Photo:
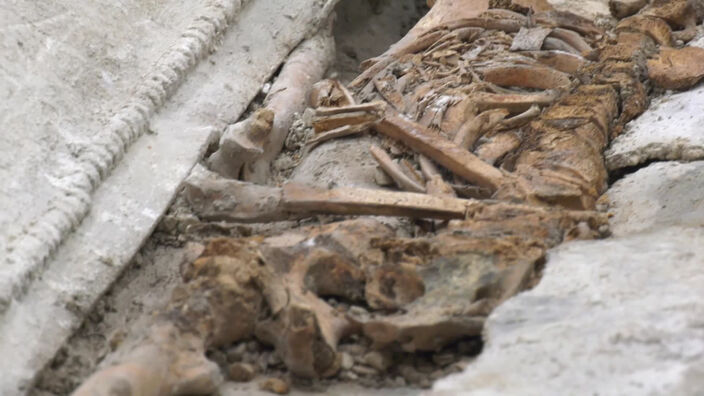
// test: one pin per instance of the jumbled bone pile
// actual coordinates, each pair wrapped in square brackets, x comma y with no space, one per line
[493,125]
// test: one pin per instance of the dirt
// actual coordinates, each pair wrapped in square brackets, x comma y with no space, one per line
[363,30]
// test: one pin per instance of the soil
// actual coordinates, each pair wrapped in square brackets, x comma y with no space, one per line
[363,30]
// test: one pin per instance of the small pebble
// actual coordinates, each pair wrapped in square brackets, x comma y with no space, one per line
[348,376]
[436,375]
[378,360]
[241,372]
[410,374]
[364,370]
[346,361]
[275,385]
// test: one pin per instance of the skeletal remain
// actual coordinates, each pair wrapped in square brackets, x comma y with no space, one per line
[498,146]
[677,68]
[521,119]
[394,171]
[558,60]
[330,93]
[428,291]
[306,65]
[556,44]
[435,184]
[514,103]
[442,151]
[242,143]
[574,40]
[474,128]
[626,8]
[345,130]
[329,118]
[655,28]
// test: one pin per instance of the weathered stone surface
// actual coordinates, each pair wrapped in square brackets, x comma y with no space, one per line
[660,195]
[620,316]
[669,130]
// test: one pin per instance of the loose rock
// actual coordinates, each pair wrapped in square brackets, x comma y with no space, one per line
[241,372]
[275,385]
[379,360]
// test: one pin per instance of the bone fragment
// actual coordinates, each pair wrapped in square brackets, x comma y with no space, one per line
[346,201]
[563,61]
[441,150]
[514,103]
[330,93]
[346,130]
[215,198]
[655,28]
[329,118]
[435,184]
[521,119]
[677,68]
[624,8]
[526,76]
[306,65]
[476,127]
[497,147]
[574,39]
[556,44]
[242,143]
[394,171]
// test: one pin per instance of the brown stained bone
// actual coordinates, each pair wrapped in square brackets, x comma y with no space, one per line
[394,171]
[214,198]
[216,305]
[306,65]
[677,68]
[329,118]
[575,40]
[477,126]
[514,103]
[655,28]
[526,76]
[568,20]
[625,8]
[387,88]
[435,184]
[442,151]
[558,60]
[422,35]
[346,201]
[498,146]
[556,44]
[461,283]
[678,13]
[373,108]
[521,119]
[562,157]
[427,291]
[242,143]
[343,131]
[330,93]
